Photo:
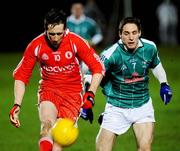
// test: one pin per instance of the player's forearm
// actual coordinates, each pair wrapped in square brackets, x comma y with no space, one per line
[96,79]
[19,90]
[160,73]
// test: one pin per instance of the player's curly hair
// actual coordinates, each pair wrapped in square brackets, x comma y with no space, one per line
[54,17]
[126,20]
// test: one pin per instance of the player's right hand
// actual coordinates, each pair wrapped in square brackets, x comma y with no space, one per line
[14,115]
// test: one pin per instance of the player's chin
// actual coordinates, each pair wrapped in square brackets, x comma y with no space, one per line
[131,46]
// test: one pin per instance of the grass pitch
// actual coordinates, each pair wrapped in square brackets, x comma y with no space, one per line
[25,138]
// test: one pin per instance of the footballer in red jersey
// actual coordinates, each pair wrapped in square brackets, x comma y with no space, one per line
[59,53]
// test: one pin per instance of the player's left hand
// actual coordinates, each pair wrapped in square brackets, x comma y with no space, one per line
[14,115]
[87,114]
[88,103]
[165,93]
[88,100]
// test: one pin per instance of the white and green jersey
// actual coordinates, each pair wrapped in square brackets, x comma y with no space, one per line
[126,82]
[86,28]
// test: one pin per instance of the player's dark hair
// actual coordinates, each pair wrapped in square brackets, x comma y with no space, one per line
[83,2]
[127,20]
[55,17]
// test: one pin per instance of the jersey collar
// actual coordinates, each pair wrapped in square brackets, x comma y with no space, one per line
[125,48]
[76,21]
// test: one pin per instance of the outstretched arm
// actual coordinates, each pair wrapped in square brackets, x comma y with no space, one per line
[165,90]
[19,90]
[160,73]
[96,79]
[89,95]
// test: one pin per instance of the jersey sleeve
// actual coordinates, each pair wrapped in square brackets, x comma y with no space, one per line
[108,58]
[23,71]
[155,58]
[88,55]
[105,61]
[110,62]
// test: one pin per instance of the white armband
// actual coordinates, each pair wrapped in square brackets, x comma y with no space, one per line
[160,73]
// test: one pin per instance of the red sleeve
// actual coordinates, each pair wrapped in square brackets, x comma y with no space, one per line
[23,71]
[88,55]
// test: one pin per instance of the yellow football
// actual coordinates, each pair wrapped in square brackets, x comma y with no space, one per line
[64,132]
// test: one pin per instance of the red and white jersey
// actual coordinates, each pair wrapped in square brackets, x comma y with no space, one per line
[60,69]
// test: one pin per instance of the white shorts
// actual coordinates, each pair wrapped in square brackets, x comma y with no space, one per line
[119,120]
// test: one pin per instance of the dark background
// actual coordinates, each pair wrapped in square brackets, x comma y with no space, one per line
[22,21]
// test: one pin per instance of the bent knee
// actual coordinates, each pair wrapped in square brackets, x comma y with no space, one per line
[144,147]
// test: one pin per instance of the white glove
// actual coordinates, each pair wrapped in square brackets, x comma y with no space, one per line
[14,115]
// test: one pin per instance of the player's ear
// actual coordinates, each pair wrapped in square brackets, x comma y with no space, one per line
[139,33]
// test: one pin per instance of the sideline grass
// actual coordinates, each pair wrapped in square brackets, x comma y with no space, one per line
[25,138]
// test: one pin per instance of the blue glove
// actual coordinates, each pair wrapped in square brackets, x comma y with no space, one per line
[165,93]
[87,114]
